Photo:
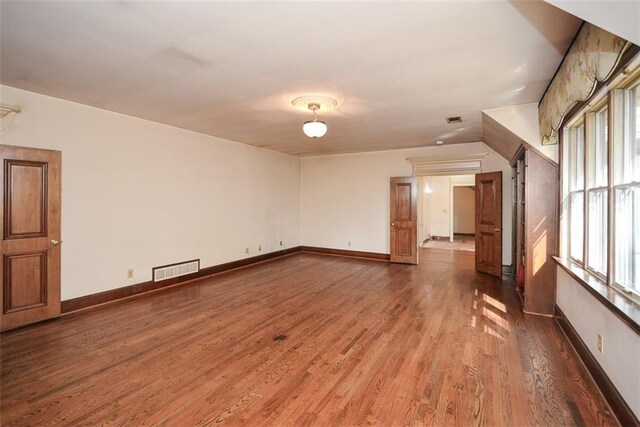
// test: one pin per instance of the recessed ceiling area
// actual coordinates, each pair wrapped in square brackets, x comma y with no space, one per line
[231,69]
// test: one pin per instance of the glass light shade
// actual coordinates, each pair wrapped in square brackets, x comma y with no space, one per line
[314,129]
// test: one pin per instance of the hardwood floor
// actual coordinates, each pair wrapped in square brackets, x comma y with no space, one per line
[460,243]
[306,339]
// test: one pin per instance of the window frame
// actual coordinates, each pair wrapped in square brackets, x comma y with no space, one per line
[622,90]
[574,128]
[605,98]
[635,293]
[590,140]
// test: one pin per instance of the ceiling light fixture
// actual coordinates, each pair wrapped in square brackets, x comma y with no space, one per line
[314,128]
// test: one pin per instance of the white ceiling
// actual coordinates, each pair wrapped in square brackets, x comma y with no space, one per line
[231,69]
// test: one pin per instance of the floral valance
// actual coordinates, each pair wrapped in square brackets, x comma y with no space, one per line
[592,58]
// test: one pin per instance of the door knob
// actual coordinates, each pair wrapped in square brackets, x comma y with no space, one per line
[496,230]
[55,242]
[393,224]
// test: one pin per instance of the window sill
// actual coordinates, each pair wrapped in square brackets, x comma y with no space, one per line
[621,305]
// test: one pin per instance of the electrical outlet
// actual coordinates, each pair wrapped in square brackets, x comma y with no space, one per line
[600,343]
[281,243]
[349,243]
[259,248]
[130,273]
[246,251]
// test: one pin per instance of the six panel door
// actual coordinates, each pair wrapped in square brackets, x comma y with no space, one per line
[30,267]
[489,223]
[404,220]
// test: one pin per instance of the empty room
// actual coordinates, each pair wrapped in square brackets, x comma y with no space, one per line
[309,213]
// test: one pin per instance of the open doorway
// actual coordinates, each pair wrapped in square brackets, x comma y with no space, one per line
[446,217]
[464,217]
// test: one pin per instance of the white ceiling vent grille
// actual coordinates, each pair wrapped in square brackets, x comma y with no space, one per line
[175,270]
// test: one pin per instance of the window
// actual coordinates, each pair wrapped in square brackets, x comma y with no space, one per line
[601,173]
[597,192]
[627,194]
[576,191]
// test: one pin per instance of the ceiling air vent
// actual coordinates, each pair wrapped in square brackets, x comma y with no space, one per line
[175,270]
[456,119]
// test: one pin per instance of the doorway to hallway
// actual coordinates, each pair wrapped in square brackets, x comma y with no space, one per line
[447,212]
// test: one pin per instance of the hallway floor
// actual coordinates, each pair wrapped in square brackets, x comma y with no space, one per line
[460,243]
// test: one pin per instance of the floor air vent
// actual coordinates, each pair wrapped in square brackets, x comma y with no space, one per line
[175,270]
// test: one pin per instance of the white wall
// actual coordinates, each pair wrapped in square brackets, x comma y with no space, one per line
[438,206]
[621,344]
[424,231]
[524,122]
[346,197]
[138,194]
[620,17]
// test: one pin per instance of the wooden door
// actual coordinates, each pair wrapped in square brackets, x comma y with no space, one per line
[404,220]
[489,223]
[30,267]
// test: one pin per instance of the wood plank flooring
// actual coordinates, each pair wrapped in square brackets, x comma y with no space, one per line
[305,340]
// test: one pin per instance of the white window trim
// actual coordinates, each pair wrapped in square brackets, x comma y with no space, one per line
[607,100]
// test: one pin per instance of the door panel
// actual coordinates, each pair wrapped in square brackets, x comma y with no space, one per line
[403,239]
[30,267]
[403,199]
[489,223]
[404,220]
[26,199]
[26,282]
